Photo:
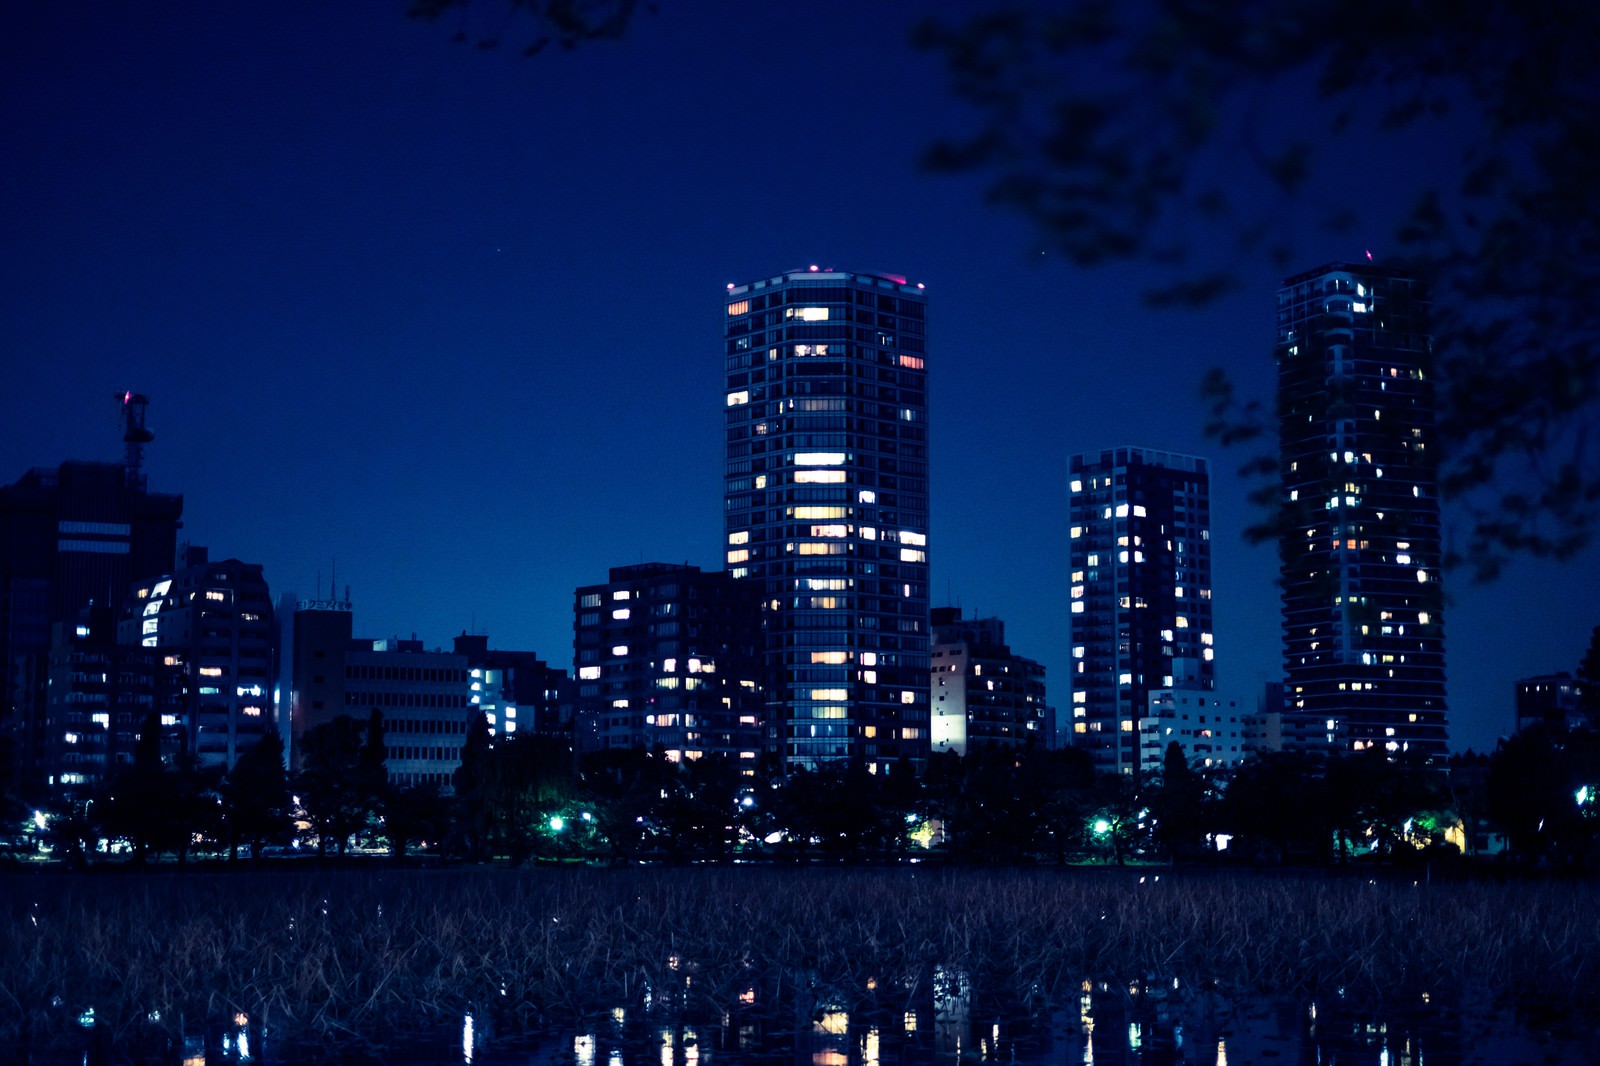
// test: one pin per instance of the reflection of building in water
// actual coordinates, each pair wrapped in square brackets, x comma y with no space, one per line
[952,1011]
[981,693]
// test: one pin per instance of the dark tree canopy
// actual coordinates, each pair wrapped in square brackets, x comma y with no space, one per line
[536,24]
[1117,128]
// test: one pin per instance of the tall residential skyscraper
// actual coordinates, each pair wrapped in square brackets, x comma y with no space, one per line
[1363,632]
[827,508]
[1141,592]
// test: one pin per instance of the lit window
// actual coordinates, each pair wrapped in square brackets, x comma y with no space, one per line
[621,614]
[740,537]
[619,649]
[737,398]
[818,477]
[739,307]
[819,458]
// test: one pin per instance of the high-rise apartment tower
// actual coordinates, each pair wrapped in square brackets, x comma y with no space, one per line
[827,508]
[1140,554]
[1363,631]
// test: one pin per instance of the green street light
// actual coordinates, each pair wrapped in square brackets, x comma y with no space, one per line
[1101,827]
[557,823]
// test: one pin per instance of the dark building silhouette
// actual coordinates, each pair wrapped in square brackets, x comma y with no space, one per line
[1140,593]
[1363,627]
[1552,699]
[826,492]
[72,536]
[100,694]
[313,635]
[983,694]
[212,620]
[668,658]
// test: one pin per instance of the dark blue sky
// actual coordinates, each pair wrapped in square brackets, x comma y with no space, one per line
[453,318]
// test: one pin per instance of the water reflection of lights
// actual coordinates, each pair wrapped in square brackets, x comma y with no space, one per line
[583,1049]
[869,1047]
[467,1040]
[833,1022]
[1222,1052]
[1135,1036]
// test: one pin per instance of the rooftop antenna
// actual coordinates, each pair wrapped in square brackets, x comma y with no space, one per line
[134,436]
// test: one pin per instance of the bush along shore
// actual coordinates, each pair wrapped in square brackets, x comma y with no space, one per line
[368,959]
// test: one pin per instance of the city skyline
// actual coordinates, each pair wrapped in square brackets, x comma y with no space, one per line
[369,281]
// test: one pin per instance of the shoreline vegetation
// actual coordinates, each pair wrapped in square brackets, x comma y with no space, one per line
[371,958]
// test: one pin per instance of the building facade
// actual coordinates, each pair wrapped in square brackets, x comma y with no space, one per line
[981,694]
[1360,552]
[1214,730]
[516,691]
[213,620]
[1140,558]
[668,658]
[826,493]
[424,699]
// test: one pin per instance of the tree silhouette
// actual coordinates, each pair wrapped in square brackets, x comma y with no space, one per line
[1118,129]
[537,23]
[330,784]
[255,798]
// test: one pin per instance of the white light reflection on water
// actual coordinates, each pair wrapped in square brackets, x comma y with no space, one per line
[583,1049]
[467,1038]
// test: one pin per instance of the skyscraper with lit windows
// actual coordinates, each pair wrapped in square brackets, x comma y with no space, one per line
[826,496]
[1363,631]
[1140,554]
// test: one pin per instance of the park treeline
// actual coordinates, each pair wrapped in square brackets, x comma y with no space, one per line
[527,798]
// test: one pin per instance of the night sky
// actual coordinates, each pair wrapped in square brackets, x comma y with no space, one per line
[449,320]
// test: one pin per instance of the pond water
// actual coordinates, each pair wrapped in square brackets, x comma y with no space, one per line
[1138,1024]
